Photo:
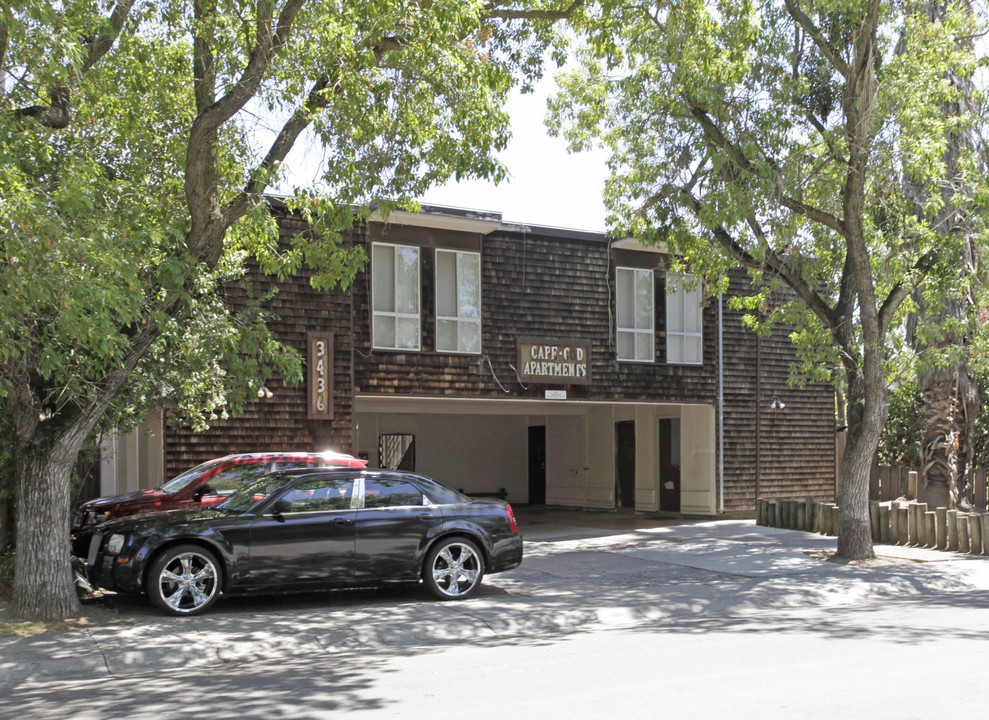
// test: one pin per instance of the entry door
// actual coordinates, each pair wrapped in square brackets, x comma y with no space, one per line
[625,464]
[669,464]
[537,465]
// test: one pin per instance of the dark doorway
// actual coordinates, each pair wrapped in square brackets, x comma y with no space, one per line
[669,465]
[537,465]
[397,451]
[625,464]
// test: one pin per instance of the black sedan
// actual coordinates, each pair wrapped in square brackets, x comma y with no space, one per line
[308,528]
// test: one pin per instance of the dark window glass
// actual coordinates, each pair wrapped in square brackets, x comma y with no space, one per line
[391,493]
[235,477]
[320,495]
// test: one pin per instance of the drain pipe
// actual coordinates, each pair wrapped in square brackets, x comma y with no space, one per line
[721,406]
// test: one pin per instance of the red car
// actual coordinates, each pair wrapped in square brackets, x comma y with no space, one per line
[202,486]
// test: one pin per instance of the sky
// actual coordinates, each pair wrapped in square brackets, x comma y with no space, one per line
[546,185]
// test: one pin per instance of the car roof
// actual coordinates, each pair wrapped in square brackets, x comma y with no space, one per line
[328,455]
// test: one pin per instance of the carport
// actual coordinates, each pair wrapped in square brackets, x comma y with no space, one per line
[569,453]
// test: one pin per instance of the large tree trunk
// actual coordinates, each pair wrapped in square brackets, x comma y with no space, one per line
[44,587]
[46,446]
[865,403]
[951,402]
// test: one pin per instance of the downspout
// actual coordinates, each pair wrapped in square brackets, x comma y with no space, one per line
[758,416]
[721,406]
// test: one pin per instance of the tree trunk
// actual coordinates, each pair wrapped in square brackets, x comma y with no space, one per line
[44,586]
[864,404]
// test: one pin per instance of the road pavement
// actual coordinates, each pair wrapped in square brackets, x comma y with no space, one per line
[583,574]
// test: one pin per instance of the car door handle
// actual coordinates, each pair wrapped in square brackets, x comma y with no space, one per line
[342,521]
[428,516]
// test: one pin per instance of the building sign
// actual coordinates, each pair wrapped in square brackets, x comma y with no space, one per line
[320,376]
[555,362]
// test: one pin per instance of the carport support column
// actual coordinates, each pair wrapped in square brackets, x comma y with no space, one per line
[698,460]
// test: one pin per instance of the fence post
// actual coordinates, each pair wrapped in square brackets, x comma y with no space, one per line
[942,528]
[975,534]
[904,525]
[922,538]
[912,477]
[930,528]
[885,518]
[964,544]
[953,530]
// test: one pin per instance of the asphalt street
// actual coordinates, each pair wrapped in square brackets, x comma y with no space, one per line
[654,618]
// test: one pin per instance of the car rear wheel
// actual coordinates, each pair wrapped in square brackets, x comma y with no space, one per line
[184,580]
[454,569]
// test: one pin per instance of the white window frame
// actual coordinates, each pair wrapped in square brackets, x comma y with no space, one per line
[458,319]
[392,313]
[682,337]
[630,274]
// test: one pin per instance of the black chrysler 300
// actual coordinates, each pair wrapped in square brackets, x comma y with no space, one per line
[307,528]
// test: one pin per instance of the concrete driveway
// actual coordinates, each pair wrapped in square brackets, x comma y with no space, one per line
[582,571]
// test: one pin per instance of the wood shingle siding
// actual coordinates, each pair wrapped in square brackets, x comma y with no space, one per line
[280,422]
[536,283]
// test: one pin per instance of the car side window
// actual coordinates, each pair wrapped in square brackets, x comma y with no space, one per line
[392,493]
[320,495]
[235,477]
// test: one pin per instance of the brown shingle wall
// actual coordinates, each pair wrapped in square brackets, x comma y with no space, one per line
[556,288]
[793,454]
[280,423]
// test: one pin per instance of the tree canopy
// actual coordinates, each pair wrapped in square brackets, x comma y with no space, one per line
[781,134]
[137,140]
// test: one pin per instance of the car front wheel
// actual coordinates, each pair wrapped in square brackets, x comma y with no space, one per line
[184,580]
[454,568]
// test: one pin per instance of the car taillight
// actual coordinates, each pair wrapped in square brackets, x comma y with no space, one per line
[510,516]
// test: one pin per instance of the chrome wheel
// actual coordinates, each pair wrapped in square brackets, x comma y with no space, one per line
[184,581]
[454,569]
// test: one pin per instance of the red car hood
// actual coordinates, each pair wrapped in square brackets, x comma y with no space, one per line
[139,499]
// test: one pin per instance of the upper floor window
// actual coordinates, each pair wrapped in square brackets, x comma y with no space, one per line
[458,301]
[684,321]
[635,309]
[395,296]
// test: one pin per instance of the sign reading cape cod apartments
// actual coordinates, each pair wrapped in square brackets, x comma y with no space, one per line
[555,362]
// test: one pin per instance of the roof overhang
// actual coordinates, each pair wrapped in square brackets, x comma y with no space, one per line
[438,217]
[633,244]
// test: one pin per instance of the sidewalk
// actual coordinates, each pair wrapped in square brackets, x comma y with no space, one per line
[582,571]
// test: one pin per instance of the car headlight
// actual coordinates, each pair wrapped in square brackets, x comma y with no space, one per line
[95,518]
[115,544]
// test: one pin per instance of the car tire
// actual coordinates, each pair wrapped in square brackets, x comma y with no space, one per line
[453,569]
[184,580]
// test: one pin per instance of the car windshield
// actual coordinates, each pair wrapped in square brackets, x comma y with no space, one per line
[180,481]
[250,496]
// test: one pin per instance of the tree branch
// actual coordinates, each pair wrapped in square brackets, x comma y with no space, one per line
[58,113]
[205,228]
[808,26]
[101,46]
[564,14]
[746,166]
[278,151]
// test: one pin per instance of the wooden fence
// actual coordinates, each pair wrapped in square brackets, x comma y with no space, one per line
[889,483]
[897,522]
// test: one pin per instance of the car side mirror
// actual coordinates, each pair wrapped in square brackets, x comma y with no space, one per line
[283,506]
[203,491]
